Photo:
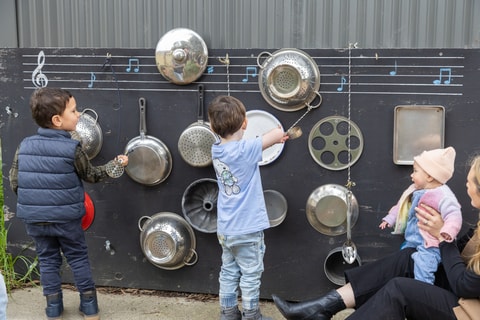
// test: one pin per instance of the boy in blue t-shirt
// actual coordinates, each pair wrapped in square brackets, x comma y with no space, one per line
[241,211]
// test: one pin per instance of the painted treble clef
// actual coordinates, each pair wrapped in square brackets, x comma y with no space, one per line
[38,78]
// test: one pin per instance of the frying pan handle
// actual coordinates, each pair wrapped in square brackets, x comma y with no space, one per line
[142,104]
[200,106]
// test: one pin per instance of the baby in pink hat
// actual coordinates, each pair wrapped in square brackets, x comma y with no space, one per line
[431,171]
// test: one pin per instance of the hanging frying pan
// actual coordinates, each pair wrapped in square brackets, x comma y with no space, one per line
[327,207]
[87,219]
[195,142]
[151,163]
[260,122]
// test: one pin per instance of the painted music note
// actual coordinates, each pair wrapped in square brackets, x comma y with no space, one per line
[342,82]
[394,72]
[92,79]
[39,79]
[135,69]
[250,71]
[448,72]
[210,69]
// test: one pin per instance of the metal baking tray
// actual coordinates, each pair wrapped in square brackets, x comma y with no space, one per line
[417,128]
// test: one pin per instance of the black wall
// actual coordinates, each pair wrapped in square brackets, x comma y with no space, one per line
[294,262]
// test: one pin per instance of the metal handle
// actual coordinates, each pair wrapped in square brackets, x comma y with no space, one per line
[261,54]
[194,256]
[140,224]
[142,104]
[316,105]
[200,91]
[349,215]
[91,110]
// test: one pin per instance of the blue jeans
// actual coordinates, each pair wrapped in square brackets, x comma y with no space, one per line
[51,240]
[242,266]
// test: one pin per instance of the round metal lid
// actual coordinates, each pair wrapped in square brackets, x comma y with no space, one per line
[181,56]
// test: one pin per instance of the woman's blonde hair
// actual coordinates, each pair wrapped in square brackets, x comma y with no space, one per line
[474,262]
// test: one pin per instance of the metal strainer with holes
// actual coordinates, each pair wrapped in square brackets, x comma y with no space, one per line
[167,240]
[89,132]
[289,79]
[195,142]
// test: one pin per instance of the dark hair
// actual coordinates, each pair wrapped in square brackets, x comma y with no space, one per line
[226,115]
[46,103]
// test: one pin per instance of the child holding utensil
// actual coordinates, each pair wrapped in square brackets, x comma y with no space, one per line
[431,171]
[241,210]
[46,174]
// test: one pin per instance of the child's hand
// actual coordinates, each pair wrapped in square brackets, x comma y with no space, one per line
[384,224]
[284,138]
[123,159]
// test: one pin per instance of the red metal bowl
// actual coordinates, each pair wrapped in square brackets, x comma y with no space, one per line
[87,219]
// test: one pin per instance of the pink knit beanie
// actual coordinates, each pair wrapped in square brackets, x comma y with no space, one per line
[438,163]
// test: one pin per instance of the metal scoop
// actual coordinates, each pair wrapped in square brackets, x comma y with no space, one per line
[349,249]
[114,168]
[294,132]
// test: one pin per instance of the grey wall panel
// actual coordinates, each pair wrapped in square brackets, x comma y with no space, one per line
[251,23]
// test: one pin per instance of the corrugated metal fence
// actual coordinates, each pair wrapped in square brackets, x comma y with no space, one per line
[248,23]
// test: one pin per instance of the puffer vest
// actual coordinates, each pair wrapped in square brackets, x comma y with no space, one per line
[49,189]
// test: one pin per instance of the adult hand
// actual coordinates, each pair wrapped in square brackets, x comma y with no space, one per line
[429,220]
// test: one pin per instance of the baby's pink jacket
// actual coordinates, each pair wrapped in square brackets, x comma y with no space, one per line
[441,199]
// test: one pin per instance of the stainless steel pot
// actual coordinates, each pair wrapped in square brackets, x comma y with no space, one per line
[181,56]
[149,159]
[334,266]
[90,133]
[327,207]
[195,142]
[277,207]
[289,79]
[167,240]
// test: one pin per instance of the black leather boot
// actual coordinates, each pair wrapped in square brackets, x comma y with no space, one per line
[322,308]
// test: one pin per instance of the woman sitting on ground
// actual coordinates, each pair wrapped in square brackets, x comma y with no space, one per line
[385,289]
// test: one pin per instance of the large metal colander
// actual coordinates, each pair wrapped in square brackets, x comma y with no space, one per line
[89,132]
[167,240]
[289,79]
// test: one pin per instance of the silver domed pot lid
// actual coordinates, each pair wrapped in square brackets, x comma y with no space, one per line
[181,56]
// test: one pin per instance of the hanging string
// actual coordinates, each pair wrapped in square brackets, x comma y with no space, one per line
[108,63]
[226,61]
[350,183]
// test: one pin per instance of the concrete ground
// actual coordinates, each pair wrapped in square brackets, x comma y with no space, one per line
[130,304]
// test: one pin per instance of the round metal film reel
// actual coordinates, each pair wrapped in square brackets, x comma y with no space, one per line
[328,143]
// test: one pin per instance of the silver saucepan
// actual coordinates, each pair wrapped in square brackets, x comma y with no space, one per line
[151,163]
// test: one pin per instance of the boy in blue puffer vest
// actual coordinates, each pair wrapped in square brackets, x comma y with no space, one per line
[46,174]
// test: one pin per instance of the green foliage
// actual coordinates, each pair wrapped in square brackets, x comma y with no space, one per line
[10,263]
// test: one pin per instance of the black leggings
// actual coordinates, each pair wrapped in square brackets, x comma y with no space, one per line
[385,289]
